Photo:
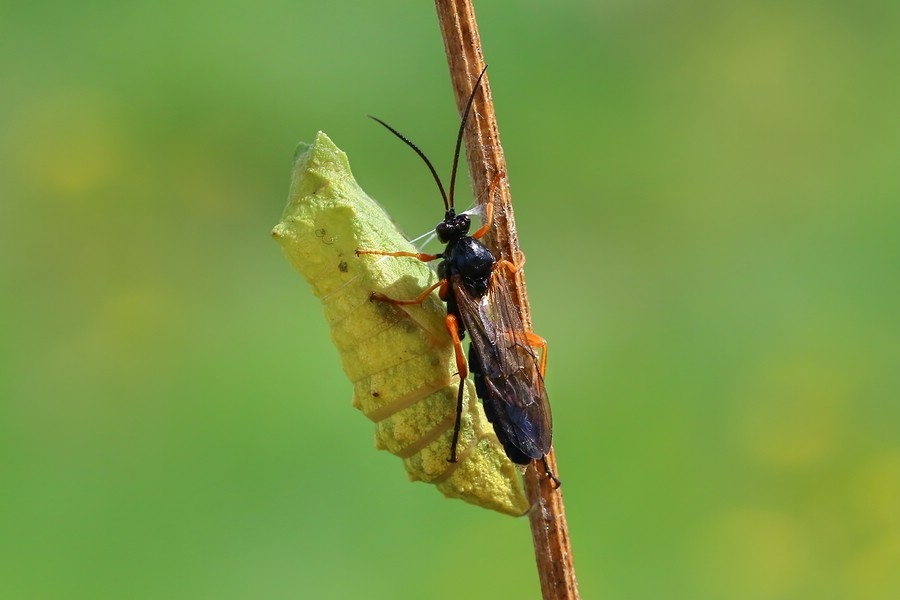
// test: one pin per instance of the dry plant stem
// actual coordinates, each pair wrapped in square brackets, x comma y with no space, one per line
[463,45]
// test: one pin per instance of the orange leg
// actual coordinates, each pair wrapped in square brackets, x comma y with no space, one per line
[536,341]
[463,370]
[511,267]
[442,284]
[489,208]
[419,255]
[488,220]
[461,366]
[530,340]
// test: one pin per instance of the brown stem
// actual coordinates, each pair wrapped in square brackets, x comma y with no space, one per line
[464,55]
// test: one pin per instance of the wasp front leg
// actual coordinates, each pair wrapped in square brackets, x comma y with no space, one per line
[417,255]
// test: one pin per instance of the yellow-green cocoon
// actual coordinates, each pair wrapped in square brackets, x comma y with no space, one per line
[399,358]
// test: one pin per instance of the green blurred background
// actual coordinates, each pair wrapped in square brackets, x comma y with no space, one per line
[708,194]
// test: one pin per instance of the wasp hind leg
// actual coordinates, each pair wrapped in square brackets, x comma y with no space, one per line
[556,482]
[536,341]
[463,370]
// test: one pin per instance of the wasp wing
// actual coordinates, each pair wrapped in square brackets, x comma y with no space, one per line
[506,370]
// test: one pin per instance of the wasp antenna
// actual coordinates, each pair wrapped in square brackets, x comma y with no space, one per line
[462,127]
[434,174]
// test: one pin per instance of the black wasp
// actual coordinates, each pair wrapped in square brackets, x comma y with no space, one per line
[509,375]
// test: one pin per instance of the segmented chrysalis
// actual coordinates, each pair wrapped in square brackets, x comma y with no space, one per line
[399,358]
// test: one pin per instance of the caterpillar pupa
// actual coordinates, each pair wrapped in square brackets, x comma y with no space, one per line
[399,358]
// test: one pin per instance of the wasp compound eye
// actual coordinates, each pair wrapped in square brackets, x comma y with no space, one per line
[443,231]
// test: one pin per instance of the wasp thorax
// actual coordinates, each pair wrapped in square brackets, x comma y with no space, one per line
[452,227]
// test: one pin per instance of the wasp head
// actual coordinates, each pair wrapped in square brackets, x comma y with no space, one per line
[452,227]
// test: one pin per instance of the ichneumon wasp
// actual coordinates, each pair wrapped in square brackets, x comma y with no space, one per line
[508,373]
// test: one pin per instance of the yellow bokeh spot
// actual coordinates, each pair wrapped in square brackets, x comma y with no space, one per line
[874,574]
[791,416]
[878,493]
[70,144]
[749,553]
